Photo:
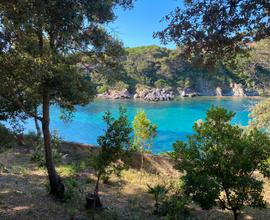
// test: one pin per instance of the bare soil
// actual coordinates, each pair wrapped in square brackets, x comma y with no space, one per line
[23,193]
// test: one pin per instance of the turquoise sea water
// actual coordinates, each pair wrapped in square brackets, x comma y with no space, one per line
[174,119]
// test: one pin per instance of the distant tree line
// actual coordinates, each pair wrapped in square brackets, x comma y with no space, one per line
[158,67]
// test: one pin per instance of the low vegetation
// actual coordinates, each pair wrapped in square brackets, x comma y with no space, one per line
[38,152]
[24,196]
[219,162]
[7,138]
[223,168]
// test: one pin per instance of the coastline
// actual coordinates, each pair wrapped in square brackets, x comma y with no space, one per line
[179,98]
[171,93]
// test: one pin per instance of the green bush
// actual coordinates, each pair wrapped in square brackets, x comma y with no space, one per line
[102,89]
[38,153]
[174,208]
[142,86]
[220,157]
[159,192]
[7,138]
[71,188]
[114,168]
[161,83]
[144,133]
[120,85]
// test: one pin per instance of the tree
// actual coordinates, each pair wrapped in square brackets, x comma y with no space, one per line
[214,28]
[260,116]
[219,162]
[113,145]
[144,133]
[41,46]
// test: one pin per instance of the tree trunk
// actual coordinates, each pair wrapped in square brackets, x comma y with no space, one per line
[235,214]
[92,200]
[37,124]
[141,161]
[57,187]
[97,185]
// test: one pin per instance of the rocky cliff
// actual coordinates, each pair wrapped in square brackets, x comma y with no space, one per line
[165,94]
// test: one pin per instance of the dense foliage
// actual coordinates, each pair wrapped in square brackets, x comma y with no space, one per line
[253,70]
[7,138]
[217,30]
[260,116]
[153,66]
[219,162]
[38,151]
[41,47]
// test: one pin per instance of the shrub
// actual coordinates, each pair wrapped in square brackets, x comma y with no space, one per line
[161,83]
[174,208]
[38,155]
[159,192]
[7,139]
[71,188]
[219,162]
[115,168]
[102,89]
[260,116]
[120,85]
[142,87]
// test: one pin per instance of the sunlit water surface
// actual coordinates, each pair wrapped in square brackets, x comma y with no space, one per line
[174,119]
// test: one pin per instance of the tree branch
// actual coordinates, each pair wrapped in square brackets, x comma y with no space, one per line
[20,104]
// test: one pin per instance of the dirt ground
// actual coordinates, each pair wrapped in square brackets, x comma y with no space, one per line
[23,193]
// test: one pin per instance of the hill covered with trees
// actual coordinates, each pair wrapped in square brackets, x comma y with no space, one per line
[151,71]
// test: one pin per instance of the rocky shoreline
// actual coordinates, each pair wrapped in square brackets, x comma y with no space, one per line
[167,94]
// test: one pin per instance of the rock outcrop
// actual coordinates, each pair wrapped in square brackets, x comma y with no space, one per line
[219,91]
[237,90]
[154,94]
[187,92]
[116,94]
[166,94]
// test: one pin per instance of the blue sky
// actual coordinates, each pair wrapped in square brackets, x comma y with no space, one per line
[135,27]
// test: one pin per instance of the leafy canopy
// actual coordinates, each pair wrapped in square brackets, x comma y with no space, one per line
[158,67]
[217,27]
[219,162]
[42,46]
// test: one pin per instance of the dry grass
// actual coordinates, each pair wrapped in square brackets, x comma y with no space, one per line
[23,195]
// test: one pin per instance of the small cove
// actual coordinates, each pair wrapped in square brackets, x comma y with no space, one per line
[174,118]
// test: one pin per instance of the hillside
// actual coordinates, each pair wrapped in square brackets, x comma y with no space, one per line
[23,194]
[153,69]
